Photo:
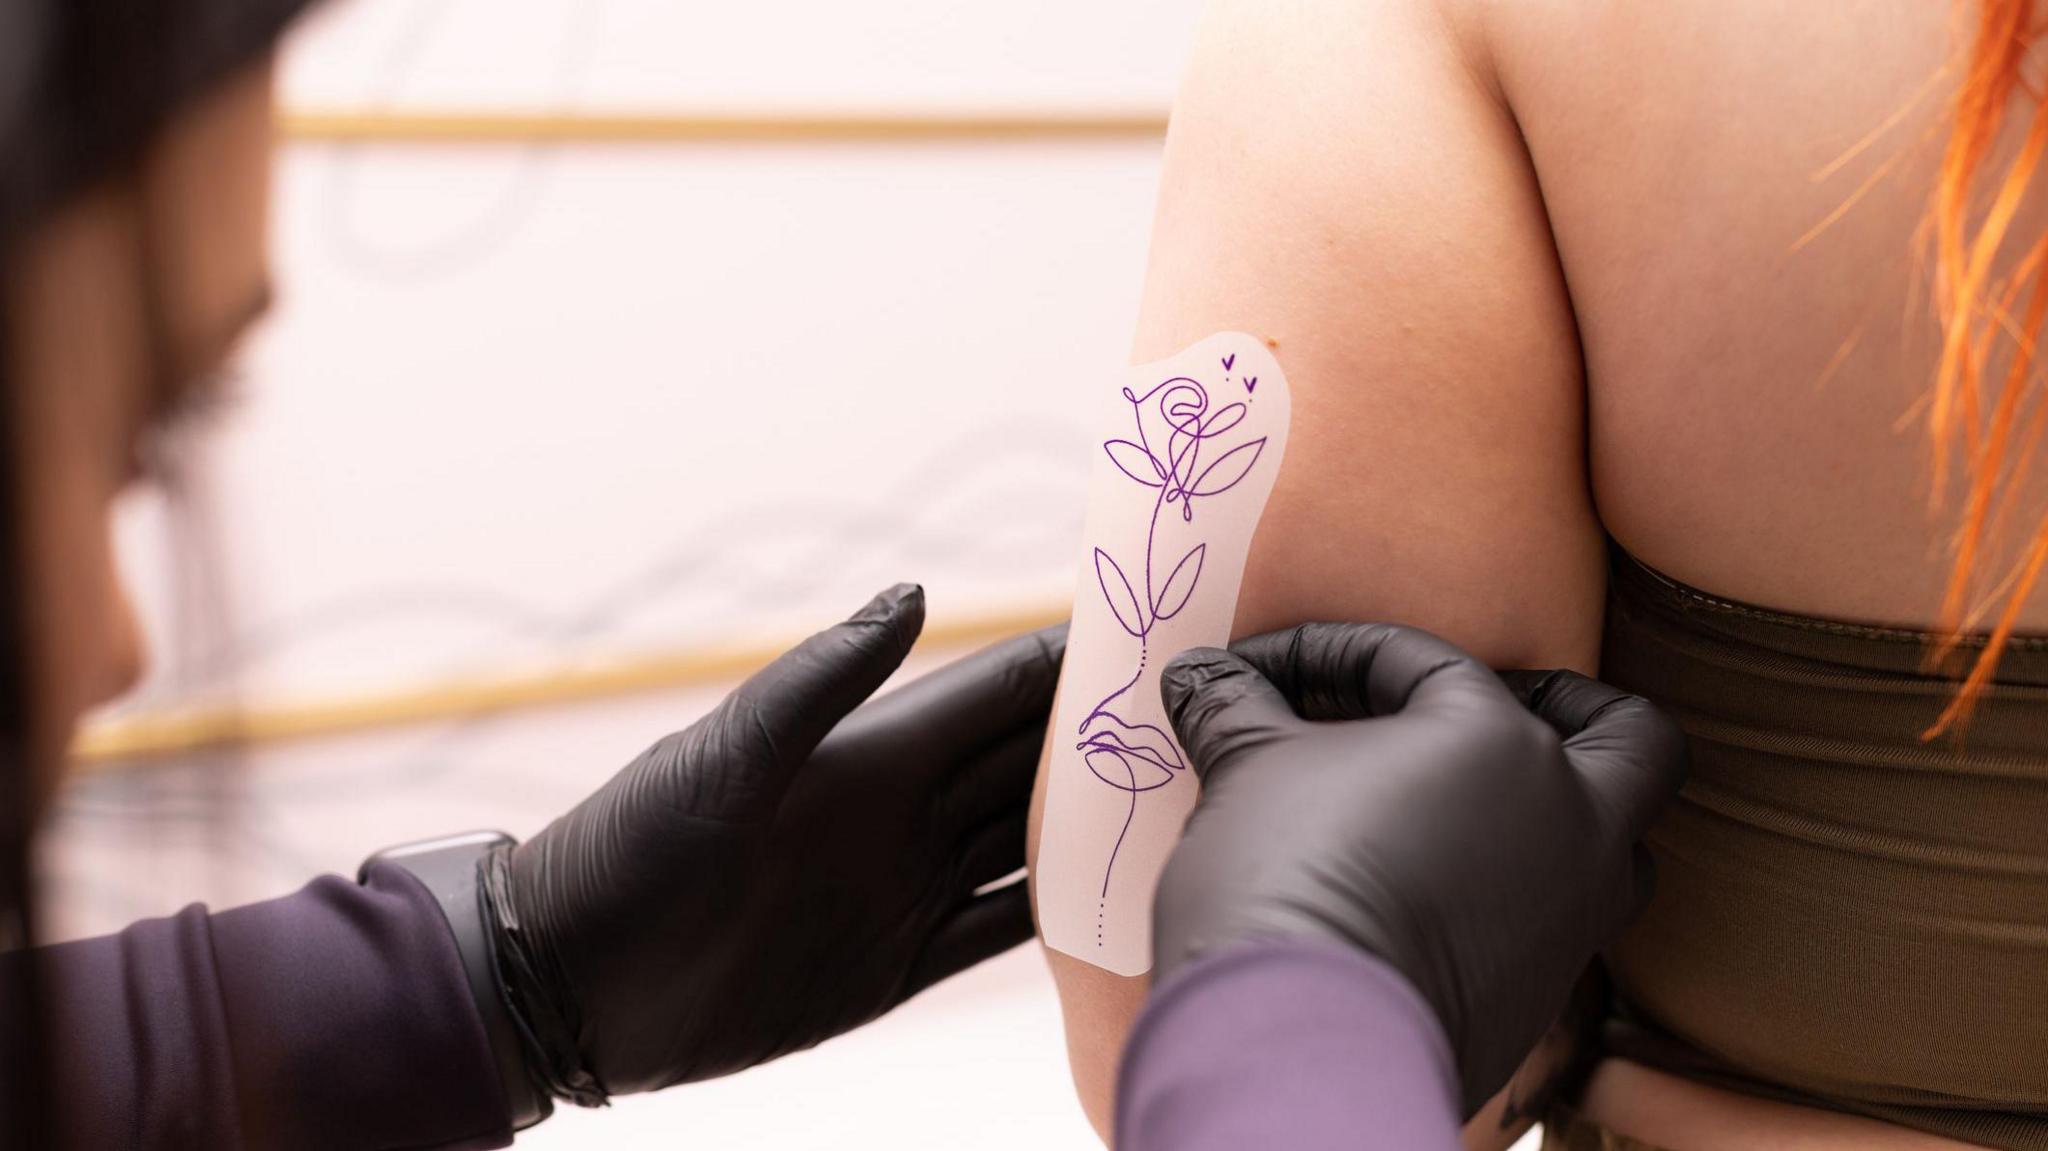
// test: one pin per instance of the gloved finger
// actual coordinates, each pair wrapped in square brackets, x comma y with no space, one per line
[982,928]
[987,785]
[1630,754]
[939,721]
[1356,671]
[1530,685]
[1563,698]
[990,853]
[1221,708]
[777,717]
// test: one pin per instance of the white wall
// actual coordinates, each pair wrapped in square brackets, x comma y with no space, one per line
[701,390]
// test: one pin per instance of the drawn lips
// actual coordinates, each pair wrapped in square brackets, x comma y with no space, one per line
[1129,757]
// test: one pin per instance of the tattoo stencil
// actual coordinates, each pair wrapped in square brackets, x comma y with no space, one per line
[1192,444]
[1141,757]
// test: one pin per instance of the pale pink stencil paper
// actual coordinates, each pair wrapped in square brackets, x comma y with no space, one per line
[1185,454]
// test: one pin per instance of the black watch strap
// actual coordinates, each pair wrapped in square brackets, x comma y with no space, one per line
[448,868]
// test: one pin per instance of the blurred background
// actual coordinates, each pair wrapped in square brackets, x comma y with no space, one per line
[618,344]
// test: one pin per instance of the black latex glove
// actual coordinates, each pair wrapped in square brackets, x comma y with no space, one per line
[1454,835]
[743,890]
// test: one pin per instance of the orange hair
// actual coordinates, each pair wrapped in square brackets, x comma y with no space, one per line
[1975,299]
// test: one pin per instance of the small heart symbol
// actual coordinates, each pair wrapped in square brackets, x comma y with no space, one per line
[1229,360]
[1251,384]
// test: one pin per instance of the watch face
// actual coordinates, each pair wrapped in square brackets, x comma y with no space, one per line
[432,859]
[478,839]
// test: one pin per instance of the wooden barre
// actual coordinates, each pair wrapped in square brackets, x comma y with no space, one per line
[453,127]
[143,736]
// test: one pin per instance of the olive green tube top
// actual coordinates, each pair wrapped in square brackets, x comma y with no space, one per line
[1846,916]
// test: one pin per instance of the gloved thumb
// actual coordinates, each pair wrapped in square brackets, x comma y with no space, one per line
[1221,708]
[775,720]
[1630,755]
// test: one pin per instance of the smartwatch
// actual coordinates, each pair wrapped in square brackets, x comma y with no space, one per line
[448,867]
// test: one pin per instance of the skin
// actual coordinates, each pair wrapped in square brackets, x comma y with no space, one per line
[1534,272]
[104,347]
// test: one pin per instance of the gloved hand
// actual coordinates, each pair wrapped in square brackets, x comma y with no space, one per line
[1451,834]
[773,876]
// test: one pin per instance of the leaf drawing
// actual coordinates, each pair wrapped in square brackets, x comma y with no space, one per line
[1230,468]
[1123,602]
[1225,418]
[1135,462]
[1173,595]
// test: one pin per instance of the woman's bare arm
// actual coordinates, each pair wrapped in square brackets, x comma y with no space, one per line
[1344,181]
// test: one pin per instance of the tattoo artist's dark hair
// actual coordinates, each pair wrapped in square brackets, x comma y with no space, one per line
[23,1029]
[85,85]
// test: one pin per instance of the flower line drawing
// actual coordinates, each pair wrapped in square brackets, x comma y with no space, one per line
[1137,758]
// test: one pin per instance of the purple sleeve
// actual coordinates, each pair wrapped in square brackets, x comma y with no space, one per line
[334,1019]
[1303,1046]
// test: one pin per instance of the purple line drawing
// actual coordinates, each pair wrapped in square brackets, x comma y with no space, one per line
[1136,758]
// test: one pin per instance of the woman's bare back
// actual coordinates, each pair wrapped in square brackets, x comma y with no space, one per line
[1735,190]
